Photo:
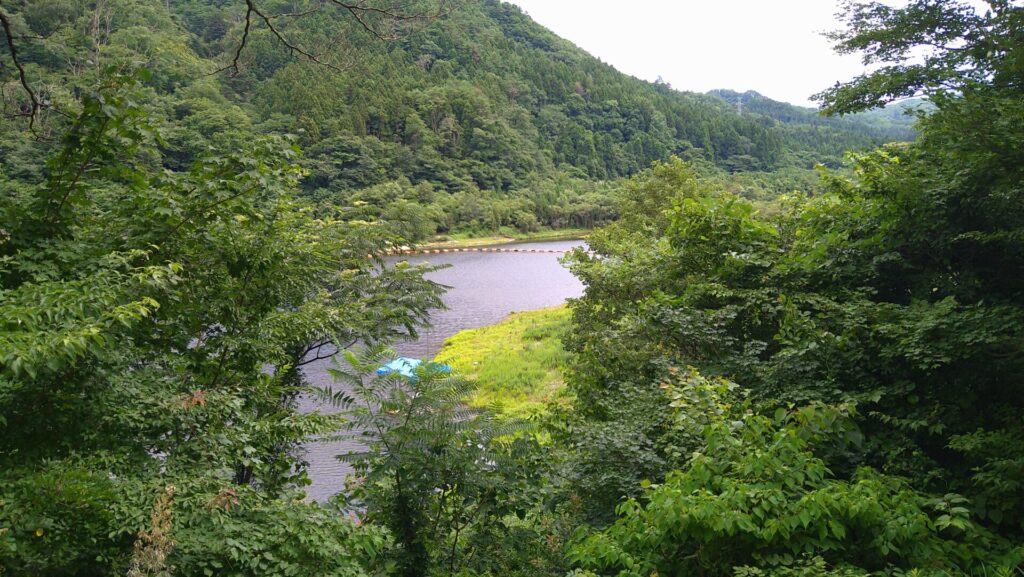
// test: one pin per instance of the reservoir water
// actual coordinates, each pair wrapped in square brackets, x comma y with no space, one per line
[485,288]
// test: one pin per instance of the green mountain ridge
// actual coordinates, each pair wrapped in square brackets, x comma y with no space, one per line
[489,96]
[892,122]
[478,120]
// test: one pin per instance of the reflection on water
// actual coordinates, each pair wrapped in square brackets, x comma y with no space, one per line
[485,288]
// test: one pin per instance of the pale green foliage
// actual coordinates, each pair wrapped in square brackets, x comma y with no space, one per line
[517,364]
[757,495]
[696,400]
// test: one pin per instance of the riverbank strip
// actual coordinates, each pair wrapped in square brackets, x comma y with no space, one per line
[469,242]
[518,363]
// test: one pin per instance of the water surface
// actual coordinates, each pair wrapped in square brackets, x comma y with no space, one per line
[485,288]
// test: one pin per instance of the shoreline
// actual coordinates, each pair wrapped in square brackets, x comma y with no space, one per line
[496,240]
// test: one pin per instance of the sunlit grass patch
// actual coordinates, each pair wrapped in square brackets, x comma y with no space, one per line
[517,363]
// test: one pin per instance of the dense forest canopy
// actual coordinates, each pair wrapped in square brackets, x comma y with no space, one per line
[767,374]
[471,119]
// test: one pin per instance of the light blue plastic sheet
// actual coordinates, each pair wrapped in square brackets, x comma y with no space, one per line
[406,367]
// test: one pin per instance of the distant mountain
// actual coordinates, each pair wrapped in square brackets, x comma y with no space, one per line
[897,112]
[485,99]
[805,127]
[489,98]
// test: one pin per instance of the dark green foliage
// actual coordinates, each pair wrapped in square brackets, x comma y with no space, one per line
[826,301]
[898,290]
[141,310]
[828,137]
[963,50]
[51,520]
[505,124]
[758,496]
[169,266]
[442,477]
[277,538]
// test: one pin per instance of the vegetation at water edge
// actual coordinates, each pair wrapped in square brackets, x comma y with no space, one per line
[517,363]
[774,370]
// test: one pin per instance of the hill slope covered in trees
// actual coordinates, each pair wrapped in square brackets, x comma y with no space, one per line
[476,119]
[489,95]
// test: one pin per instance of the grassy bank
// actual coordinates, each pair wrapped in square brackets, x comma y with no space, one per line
[518,362]
[464,240]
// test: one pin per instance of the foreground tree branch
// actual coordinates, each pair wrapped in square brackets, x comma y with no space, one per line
[360,11]
[35,103]
[251,11]
[379,21]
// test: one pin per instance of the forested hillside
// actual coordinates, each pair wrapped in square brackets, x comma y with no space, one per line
[491,96]
[807,128]
[473,119]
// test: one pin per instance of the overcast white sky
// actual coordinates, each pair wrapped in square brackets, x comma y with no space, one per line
[771,46]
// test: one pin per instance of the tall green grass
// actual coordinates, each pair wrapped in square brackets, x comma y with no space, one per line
[518,363]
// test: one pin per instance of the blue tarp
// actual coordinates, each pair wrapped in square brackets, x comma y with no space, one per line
[406,367]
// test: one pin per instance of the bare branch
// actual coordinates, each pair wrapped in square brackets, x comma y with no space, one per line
[360,11]
[250,10]
[318,356]
[289,45]
[241,45]
[319,6]
[36,104]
